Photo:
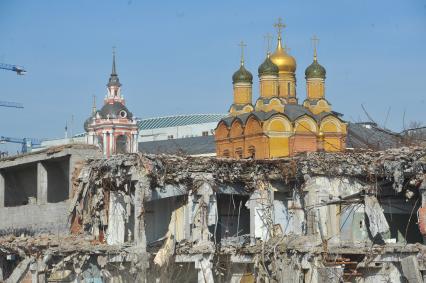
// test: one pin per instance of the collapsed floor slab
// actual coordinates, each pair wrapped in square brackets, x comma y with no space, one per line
[311,218]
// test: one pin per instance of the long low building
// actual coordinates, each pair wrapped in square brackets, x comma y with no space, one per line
[193,134]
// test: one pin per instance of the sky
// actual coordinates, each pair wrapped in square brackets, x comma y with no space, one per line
[178,57]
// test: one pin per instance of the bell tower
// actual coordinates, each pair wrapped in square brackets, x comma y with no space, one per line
[113,128]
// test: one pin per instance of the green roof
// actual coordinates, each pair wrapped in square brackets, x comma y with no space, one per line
[179,120]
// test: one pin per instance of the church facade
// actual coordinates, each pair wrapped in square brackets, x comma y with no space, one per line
[276,124]
[113,128]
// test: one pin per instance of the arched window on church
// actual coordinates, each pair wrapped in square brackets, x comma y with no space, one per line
[239,153]
[252,151]
[226,153]
[121,144]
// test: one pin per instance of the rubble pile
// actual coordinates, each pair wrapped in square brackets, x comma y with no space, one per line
[315,217]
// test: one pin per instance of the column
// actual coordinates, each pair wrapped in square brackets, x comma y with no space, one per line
[112,149]
[41,183]
[135,143]
[104,140]
[71,168]
[2,188]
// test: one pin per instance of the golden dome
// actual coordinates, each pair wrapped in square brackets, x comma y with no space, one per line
[285,62]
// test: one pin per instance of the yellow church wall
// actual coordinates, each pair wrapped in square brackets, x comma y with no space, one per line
[274,104]
[315,89]
[260,144]
[252,127]
[236,130]
[332,144]
[283,85]
[221,131]
[242,94]
[305,124]
[303,142]
[278,124]
[279,147]
[278,128]
[222,146]
[247,109]
[268,87]
[332,124]
[238,146]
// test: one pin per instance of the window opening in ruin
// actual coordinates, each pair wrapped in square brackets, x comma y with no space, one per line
[121,144]
[57,179]
[158,214]
[233,216]
[402,227]
[20,185]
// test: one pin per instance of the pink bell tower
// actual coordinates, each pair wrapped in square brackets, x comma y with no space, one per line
[113,128]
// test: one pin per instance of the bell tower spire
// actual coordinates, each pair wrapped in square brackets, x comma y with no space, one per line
[114,84]
[113,72]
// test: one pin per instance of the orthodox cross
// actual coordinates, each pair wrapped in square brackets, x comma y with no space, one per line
[242,45]
[279,25]
[268,38]
[315,41]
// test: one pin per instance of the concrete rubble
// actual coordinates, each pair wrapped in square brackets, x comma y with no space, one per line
[316,217]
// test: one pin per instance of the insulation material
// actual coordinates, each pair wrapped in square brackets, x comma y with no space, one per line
[116,231]
[175,233]
[378,224]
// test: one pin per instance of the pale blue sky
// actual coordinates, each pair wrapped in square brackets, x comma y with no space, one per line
[177,57]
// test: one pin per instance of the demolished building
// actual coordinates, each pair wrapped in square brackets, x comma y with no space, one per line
[317,217]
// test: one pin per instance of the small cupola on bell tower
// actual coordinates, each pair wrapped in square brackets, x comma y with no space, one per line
[315,84]
[268,78]
[242,81]
[114,85]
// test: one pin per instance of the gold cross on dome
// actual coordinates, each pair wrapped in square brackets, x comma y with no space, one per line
[279,25]
[315,41]
[242,45]
[268,38]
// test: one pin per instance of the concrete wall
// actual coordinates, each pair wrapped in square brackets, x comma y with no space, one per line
[33,219]
[34,190]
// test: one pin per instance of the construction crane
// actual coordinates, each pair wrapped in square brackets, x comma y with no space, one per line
[26,143]
[11,104]
[18,69]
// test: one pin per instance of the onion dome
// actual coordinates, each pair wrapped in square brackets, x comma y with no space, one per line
[87,123]
[268,68]
[284,61]
[315,70]
[242,76]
